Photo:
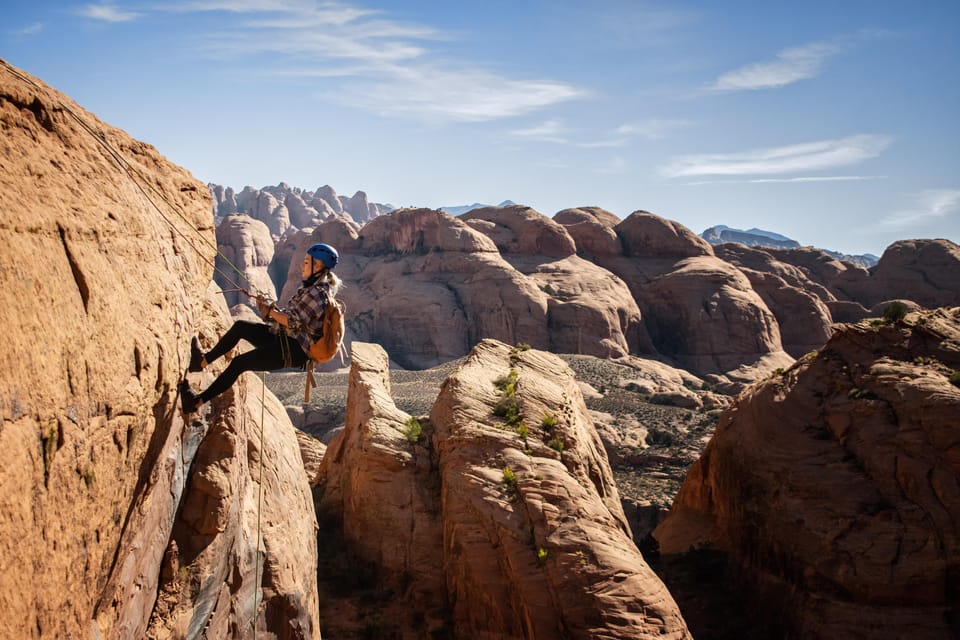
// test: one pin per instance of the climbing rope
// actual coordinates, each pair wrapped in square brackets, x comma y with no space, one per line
[256,575]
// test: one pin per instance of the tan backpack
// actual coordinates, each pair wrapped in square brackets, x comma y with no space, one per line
[329,344]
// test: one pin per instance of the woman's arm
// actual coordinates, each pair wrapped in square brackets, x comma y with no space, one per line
[269,312]
[279,317]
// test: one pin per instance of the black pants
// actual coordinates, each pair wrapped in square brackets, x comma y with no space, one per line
[271,351]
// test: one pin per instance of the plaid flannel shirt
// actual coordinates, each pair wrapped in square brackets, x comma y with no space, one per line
[305,313]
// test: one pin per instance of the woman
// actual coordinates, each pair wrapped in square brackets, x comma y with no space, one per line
[283,342]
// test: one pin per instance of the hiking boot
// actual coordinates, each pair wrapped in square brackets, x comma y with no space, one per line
[196,356]
[189,400]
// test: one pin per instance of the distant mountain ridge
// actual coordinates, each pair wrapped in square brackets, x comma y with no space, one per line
[457,210]
[754,237]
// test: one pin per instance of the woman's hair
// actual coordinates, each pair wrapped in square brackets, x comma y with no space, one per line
[328,277]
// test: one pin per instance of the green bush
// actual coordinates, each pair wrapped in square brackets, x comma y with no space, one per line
[541,556]
[955,378]
[557,445]
[412,429]
[895,311]
[548,422]
[508,407]
[510,478]
[522,431]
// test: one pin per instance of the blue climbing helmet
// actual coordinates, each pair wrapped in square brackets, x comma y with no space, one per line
[325,254]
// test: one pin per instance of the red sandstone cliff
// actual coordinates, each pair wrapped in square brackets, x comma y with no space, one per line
[500,532]
[117,518]
[835,486]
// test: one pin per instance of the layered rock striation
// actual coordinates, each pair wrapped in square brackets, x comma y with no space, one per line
[835,486]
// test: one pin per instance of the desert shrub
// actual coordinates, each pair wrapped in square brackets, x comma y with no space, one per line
[541,556]
[662,398]
[412,429]
[510,478]
[522,431]
[660,438]
[548,422]
[507,385]
[955,378]
[557,445]
[508,407]
[895,311]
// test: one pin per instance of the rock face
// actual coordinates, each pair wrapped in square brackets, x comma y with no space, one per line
[427,287]
[592,228]
[798,304]
[246,251]
[98,460]
[589,310]
[835,487]
[212,577]
[283,207]
[503,543]
[696,308]
[924,271]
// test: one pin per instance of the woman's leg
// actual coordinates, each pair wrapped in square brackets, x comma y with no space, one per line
[281,352]
[256,333]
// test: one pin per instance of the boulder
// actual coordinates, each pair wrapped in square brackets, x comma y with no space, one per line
[834,487]
[924,271]
[592,229]
[705,314]
[521,230]
[645,235]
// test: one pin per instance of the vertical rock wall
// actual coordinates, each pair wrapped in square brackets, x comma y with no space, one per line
[105,260]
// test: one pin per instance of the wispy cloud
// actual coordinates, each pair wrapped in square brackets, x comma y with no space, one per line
[384,66]
[456,95]
[107,13]
[932,204]
[548,131]
[30,30]
[801,179]
[795,63]
[812,156]
[789,66]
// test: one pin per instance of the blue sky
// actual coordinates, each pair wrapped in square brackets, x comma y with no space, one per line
[835,123]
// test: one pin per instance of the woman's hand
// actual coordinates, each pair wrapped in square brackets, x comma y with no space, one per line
[264,307]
